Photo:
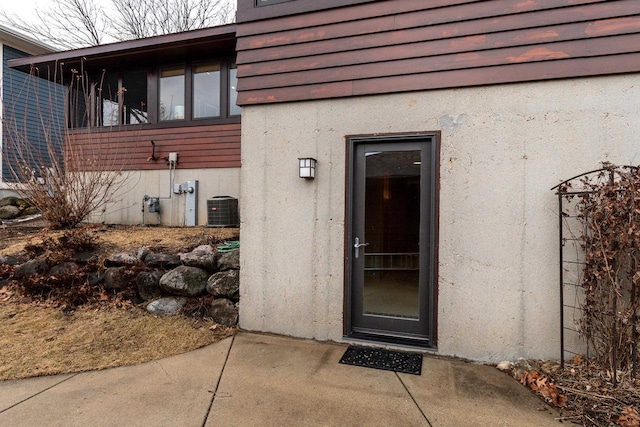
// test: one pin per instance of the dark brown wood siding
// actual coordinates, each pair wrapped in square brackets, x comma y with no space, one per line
[408,45]
[212,146]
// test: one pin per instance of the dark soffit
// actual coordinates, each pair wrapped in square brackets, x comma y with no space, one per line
[167,49]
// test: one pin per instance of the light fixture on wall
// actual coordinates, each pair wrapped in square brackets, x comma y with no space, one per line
[307,167]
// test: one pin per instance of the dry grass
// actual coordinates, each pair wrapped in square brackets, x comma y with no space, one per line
[178,239]
[126,238]
[39,339]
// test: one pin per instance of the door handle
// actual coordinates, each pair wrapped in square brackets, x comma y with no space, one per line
[357,246]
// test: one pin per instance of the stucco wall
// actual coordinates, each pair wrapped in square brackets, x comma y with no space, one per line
[503,148]
[127,208]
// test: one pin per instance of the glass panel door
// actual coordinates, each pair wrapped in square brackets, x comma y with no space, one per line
[392,238]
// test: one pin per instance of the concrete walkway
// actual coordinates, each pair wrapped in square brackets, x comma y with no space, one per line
[263,380]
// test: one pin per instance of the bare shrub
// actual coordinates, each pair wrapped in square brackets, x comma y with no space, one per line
[609,209]
[65,180]
[64,245]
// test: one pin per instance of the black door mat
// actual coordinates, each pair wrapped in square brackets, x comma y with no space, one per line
[378,358]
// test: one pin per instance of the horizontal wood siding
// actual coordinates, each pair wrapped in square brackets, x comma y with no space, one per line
[406,45]
[213,146]
[33,118]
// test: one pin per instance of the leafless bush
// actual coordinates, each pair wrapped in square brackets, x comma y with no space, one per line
[66,181]
[62,247]
[610,212]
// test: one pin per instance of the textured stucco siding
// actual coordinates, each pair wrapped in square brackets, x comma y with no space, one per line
[502,149]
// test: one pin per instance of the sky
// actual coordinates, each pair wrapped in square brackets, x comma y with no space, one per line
[26,10]
[21,7]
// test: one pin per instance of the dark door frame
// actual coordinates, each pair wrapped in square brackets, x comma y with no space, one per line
[351,142]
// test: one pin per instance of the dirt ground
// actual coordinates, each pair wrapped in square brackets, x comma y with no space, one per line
[37,338]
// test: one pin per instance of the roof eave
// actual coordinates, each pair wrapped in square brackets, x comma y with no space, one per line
[129,47]
[23,42]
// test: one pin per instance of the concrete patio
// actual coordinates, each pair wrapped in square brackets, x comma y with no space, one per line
[264,380]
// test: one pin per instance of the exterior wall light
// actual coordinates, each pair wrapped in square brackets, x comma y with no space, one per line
[307,167]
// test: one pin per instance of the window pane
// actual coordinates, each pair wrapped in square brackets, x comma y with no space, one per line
[392,229]
[206,91]
[107,94]
[172,94]
[135,96]
[234,110]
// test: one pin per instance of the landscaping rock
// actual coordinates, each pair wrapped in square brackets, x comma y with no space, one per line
[153,259]
[9,260]
[87,256]
[202,257]
[224,312]
[9,201]
[143,252]
[521,365]
[64,269]
[148,284]
[95,277]
[117,278]
[31,210]
[29,268]
[505,365]
[229,261]
[168,305]
[185,281]
[9,212]
[204,248]
[225,284]
[121,259]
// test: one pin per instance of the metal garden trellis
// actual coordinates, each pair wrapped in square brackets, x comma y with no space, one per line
[571,267]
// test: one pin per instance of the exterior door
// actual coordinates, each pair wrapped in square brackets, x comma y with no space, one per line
[391,239]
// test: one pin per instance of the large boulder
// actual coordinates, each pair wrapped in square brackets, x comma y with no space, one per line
[168,305]
[121,259]
[9,201]
[185,281]
[30,210]
[229,261]
[143,252]
[31,267]
[95,277]
[202,257]
[91,255]
[9,212]
[148,284]
[224,312]
[117,278]
[225,284]
[159,260]
[9,260]
[64,269]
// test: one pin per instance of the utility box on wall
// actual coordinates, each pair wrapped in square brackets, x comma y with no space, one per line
[153,205]
[191,203]
[222,211]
